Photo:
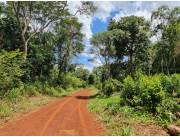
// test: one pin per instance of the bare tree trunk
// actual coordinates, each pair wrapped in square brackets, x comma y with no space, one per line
[174,64]
[162,62]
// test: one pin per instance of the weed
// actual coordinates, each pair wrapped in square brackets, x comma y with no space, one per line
[127,131]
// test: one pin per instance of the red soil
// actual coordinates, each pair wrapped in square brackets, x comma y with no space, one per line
[67,116]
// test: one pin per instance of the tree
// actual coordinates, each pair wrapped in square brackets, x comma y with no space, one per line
[82,74]
[10,70]
[69,41]
[105,47]
[166,28]
[35,17]
[136,43]
[91,79]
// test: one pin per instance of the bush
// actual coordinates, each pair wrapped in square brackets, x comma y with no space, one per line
[70,81]
[10,70]
[175,80]
[145,91]
[111,86]
[14,94]
[31,90]
[151,92]
[130,92]
[168,108]
[171,84]
[51,91]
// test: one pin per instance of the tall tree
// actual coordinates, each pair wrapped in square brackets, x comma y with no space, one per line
[69,40]
[137,30]
[105,47]
[35,17]
[166,28]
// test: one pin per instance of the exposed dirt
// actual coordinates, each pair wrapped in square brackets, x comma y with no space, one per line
[67,116]
[149,130]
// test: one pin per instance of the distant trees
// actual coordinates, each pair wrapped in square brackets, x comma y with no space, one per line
[126,47]
[167,28]
[128,37]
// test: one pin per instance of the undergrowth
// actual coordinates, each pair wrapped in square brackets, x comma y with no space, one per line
[119,119]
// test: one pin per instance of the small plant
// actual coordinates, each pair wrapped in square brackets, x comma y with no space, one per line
[5,110]
[127,131]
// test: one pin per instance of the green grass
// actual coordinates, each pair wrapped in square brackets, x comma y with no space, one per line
[118,120]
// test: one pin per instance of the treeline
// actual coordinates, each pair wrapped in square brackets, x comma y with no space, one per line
[144,72]
[38,41]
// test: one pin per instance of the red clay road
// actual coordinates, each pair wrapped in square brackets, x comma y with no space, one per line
[67,116]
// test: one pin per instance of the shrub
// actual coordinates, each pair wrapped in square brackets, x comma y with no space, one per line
[130,91]
[10,70]
[144,91]
[175,80]
[31,90]
[68,81]
[14,94]
[168,108]
[111,86]
[171,84]
[51,91]
[151,92]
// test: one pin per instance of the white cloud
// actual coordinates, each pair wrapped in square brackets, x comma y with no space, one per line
[85,20]
[145,14]
[104,9]
[119,9]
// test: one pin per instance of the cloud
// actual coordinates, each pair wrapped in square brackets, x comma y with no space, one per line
[116,10]
[146,14]
[104,10]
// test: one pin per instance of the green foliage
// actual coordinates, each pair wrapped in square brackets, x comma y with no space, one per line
[127,131]
[111,86]
[91,79]
[168,108]
[31,90]
[69,80]
[171,84]
[10,70]
[14,94]
[5,111]
[145,91]
[9,33]
[51,91]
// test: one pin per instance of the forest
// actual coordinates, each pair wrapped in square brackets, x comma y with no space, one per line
[138,79]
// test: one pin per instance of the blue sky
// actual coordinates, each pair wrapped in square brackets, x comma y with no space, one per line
[105,11]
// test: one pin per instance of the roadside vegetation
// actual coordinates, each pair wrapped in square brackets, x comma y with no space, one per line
[35,62]
[138,85]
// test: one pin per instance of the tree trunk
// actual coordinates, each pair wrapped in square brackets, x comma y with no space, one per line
[25,49]
[174,64]
[162,62]
[131,64]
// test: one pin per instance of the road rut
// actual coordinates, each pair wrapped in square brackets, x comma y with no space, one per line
[67,116]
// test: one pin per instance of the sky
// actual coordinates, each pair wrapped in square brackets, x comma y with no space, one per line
[110,10]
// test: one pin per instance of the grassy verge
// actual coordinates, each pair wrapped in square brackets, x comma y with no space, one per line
[123,121]
[10,109]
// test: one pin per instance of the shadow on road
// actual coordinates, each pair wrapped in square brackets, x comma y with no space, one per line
[87,97]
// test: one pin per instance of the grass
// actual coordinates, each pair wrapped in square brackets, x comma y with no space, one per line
[11,106]
[123,121]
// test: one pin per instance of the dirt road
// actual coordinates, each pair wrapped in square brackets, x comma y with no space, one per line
[67,116]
